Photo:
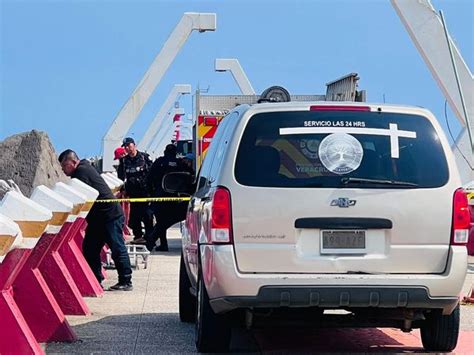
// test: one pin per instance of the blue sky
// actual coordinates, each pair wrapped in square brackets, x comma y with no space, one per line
[67,67]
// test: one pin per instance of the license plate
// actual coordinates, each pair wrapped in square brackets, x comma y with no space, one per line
[343,242]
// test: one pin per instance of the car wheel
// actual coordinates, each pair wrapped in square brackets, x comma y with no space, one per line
[213,331]
[187,302]
[440,332]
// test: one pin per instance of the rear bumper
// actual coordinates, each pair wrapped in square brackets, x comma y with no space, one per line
[337,297]
[229,289]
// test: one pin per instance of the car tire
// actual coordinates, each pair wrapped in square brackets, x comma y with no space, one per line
[187,302]
[213,331]
[440,332]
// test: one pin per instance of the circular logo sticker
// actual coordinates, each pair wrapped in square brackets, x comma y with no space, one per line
[309,147]
[340,153]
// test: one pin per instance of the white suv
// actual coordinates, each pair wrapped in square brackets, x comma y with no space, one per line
[325,206]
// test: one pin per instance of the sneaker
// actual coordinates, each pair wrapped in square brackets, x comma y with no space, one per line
[121,287]
[161,248]
[138,241]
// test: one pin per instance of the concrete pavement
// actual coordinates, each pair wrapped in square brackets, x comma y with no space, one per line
[145,321]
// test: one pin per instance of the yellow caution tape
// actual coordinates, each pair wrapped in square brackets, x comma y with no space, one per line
[172,199]
[143,199]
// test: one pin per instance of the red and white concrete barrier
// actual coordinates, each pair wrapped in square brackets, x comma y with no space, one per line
[114,178]
[50,263]
[112,182]
[32,293]
[17,334]
[70,253]
[91,195]
[115,184]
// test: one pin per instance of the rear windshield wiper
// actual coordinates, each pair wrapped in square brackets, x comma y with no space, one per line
[349,180]
[311,184]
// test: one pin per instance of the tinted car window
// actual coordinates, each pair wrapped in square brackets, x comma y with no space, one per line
[324,149]
[208,161]
[220,148]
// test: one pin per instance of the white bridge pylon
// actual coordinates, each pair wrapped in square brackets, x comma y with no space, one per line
[176,92]
[427,31]
[233,65]
[165,133]
[201,22]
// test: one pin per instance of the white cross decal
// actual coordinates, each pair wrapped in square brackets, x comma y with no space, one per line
[391,132]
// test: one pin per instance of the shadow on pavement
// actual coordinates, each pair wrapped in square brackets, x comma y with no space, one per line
[351,340]
[130,334]
[149,333]
[153,333]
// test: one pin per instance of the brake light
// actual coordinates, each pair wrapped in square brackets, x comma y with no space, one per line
[221,217]
[461,219]
[338,108]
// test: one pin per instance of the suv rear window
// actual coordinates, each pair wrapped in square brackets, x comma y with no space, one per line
[338,149]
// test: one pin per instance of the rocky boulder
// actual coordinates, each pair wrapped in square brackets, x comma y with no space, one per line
[29,159]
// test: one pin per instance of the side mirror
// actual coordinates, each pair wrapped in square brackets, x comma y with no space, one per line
[179,182]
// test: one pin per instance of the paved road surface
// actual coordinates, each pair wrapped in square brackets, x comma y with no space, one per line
[145,321]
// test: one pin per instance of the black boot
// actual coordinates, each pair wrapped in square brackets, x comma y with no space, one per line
[161,247]
[122,286]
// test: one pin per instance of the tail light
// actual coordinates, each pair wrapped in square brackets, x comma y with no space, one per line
[461,219]
[221,217]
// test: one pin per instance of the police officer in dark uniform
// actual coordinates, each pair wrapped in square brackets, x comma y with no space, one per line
[134,169]
[104,222]
[166,213]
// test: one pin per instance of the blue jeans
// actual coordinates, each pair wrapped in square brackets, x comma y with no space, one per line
[99,233]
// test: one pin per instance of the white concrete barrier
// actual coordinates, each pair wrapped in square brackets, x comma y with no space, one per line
[31,217]
[88,191]
[109,182]
[60,206]
[75,197]
[10,236]
[112,183]
[114,177]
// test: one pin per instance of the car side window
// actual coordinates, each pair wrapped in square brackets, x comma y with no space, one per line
[220,149]
[209,158]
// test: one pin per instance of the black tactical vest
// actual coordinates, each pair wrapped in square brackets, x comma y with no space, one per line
[136,170]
